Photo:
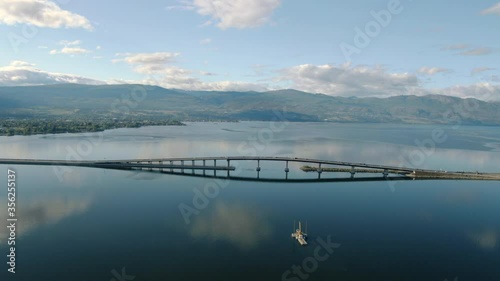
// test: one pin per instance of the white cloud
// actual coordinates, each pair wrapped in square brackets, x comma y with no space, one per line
[495,9]
[468,50]
[20,73]
[161,72]
[18,63]
[345,80]
[185,5]
[205,24]
[432,70]
[70,51]
[41,13]
[483,91]
[477,52]
[206,41]
[481,69]
[342,80]
[70,43]
[233,13]
[74,50]
[173,77]
[70,48]
[147,58]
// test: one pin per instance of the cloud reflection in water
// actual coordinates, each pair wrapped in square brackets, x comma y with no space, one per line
[242,226]
[486,239]
[34,212]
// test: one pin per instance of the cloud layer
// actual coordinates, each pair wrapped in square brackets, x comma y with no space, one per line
[483,91]
[41,13]
[345,80]
[20,73]
[160,71]
[336,80]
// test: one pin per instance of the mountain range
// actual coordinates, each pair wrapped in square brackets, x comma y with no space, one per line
[74,100]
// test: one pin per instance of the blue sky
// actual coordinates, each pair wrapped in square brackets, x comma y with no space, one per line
[341,48]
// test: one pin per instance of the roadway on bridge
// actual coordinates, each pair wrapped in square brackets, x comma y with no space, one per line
[210,164]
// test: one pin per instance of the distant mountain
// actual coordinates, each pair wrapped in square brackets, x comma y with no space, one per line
[66,100]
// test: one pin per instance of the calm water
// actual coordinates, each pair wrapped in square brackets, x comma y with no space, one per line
[91,224]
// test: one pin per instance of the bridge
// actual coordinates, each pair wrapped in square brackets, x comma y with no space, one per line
[213,166]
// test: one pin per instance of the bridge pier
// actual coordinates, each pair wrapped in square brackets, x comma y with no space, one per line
[286,170]
[215,165]
[182,164]
[319,171]
[204,164]
[386,173]
[258,169]
[228,165]
[171,169]
[192,171]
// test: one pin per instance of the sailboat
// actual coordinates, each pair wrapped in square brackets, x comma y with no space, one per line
[299,234]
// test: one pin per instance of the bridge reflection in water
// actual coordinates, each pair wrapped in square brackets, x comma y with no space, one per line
[232,167]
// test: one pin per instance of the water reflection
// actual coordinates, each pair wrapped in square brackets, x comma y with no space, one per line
[240,225]
[115,215]
[486,239]
[388,144]
[43,209]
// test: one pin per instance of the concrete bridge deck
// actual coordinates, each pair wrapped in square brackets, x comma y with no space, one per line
[172,165]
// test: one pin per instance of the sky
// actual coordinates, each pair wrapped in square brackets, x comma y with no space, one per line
[362,48]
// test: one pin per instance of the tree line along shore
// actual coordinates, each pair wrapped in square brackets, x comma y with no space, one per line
[25,127]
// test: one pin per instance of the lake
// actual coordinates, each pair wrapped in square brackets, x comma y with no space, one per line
[91,224]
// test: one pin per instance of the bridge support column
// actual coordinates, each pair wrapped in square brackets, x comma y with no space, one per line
[286,170]
[215,170]
[171,169]
[204,166]
[353,172]
[228,165]
[182,164]
[319,171]
[258,169]
[192,171]
[386,173]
